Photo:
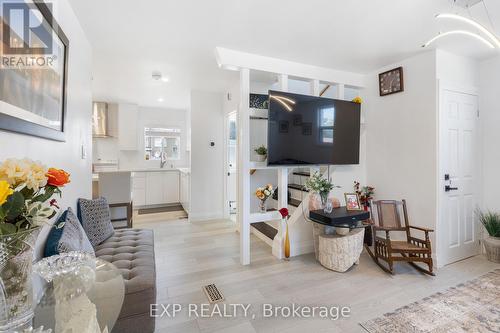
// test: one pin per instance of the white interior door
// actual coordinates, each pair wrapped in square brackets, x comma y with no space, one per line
[460,179]
[232,158]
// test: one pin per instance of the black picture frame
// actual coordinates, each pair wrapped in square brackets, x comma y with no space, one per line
[284,126]
[17,125]
[307,129]
[400,88]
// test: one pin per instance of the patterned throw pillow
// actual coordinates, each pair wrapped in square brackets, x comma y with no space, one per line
[67,235]
[96,220]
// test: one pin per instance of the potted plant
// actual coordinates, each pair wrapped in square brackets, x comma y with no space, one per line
[321,186]
[26,204]
[261,153]
[491,222]
[365,194]
[263,193]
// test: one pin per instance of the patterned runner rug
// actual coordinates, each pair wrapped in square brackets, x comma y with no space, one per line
[473,306]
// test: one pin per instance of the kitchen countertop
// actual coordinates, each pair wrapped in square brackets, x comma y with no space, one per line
[95,175]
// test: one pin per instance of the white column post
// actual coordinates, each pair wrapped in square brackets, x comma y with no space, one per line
[315,87]
[278,241]
[340,91]
[244,166]
[315,91]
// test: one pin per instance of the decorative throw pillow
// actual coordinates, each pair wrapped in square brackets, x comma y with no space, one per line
[66,236]
[96,220]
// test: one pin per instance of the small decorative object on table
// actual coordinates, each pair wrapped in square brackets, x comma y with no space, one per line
[261,153]
[321,186]
[365,194]
[491,222]
[73,275]
[284,216]
[358,100]
[352,201]
[26,189]
[263,193]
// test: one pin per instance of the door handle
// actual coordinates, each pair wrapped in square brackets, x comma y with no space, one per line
[448,188]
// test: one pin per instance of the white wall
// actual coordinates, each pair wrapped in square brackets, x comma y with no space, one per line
[457,70]
[65,155]
[402,139]
[207,163]
[489,107]
[108,149]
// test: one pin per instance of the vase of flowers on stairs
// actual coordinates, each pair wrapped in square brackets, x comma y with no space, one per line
[263,193]
[321,186]
[284,216]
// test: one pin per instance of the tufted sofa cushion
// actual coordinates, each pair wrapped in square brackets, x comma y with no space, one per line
[132,252]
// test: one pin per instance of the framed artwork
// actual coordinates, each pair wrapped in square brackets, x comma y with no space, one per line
[391,82]
[307,128]
[297,120]
[33,81]
[283,126]
[259,101]
[352,201]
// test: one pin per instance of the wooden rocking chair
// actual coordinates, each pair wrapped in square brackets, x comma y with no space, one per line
[386,216]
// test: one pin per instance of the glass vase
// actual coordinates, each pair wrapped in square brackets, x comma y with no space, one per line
[262,206]
[326,204]
[16,288]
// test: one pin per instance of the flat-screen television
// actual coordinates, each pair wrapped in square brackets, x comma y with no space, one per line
[309,130]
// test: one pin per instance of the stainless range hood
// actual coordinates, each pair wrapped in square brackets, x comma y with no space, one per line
[100,128]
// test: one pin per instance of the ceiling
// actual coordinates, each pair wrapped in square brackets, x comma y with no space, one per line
[131,39]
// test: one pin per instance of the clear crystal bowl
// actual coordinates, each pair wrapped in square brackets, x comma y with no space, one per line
[71,274]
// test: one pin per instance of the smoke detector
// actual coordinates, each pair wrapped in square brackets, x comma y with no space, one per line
[157,76]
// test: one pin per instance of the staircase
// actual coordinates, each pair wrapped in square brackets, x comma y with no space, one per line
[300,231]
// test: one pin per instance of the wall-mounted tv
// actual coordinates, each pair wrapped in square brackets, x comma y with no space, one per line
[309,130]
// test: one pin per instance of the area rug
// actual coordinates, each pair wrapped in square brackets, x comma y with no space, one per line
[164,209]
[473,306]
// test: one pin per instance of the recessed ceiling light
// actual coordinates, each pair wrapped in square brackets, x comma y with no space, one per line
[165,79]
[160,99]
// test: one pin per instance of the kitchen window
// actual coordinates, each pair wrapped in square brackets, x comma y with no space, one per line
[159,139]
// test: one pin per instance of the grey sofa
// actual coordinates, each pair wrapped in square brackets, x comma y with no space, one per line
[132,251]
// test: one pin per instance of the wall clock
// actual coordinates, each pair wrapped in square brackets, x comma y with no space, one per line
[391,82]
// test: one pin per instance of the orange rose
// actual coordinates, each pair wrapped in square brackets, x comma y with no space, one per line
[57,177]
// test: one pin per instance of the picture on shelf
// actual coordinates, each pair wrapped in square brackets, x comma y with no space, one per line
[352,201]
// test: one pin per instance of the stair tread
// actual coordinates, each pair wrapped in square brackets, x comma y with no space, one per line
[297,187]
[265,229]
[302,173]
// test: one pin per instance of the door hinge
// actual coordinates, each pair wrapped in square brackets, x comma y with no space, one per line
[478,113]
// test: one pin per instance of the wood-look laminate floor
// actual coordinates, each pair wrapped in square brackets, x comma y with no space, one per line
[191,255]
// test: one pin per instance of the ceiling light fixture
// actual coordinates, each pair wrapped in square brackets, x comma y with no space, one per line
[283,101]
[460,32]
[473,23]
[160,99]
[165,79]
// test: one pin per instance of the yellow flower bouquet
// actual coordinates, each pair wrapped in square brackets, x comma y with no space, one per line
[26,191]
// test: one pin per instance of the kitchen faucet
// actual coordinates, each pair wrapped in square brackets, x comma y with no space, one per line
[163,155]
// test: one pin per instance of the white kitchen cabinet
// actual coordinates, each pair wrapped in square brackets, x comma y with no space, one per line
[171,187]
[155,185]
[128,136]
[139,188]
[155,188]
